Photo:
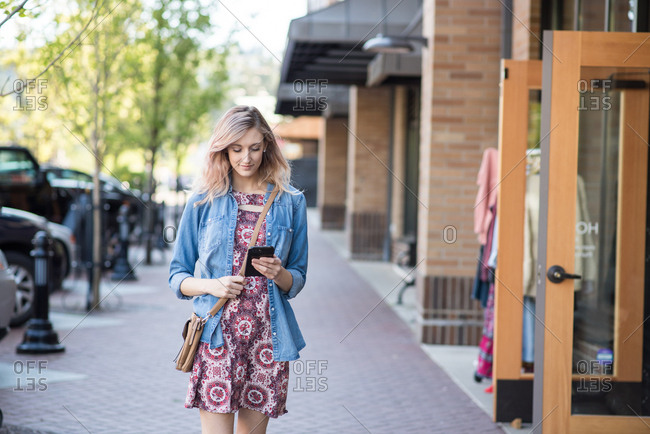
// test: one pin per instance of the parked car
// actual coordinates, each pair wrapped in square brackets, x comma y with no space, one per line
[115,195]
[50,191]
[7,299]
[112,188]
[24,186]
[61,195]
[60,234]
[7,295]
[16,235]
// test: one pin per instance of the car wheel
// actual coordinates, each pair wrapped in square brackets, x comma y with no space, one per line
[22,267]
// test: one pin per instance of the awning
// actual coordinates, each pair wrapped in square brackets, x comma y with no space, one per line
[317,98]
[325,46]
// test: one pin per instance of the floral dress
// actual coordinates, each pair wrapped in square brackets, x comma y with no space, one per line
[242,372]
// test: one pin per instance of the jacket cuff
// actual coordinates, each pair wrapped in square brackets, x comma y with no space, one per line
[296,285]
[175,284]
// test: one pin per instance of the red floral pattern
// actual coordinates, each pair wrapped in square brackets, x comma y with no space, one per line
[242,372]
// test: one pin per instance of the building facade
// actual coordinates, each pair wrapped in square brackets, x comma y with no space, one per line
[411,94]
[403,133]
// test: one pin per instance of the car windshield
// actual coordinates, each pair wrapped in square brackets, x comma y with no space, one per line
[55,174]
[16,167]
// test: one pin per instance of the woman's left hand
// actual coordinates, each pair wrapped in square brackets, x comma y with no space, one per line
[269,267]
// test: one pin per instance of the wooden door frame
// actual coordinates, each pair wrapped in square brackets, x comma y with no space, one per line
[565,53]
[518,78]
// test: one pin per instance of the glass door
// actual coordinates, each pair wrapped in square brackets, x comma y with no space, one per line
[591,338]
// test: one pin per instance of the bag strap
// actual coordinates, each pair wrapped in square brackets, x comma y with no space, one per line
[222,301]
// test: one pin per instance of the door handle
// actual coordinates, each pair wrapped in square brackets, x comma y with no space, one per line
[556,274]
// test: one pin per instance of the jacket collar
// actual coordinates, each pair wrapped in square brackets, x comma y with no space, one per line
[269,188]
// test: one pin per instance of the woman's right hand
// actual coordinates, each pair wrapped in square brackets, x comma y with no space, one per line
[226,286]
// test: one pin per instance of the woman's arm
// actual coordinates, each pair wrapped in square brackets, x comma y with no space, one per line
[284,280]
[292,278]
[298,253]
[185,253]
[227,286]
[185,256]
[272,269]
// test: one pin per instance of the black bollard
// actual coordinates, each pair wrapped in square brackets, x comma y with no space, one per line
[87,247]
[160,227]
[39,335]
[122,269]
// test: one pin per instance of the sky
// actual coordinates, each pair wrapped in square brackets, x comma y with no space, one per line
[267,22]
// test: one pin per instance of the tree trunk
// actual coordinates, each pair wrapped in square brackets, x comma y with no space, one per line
[154,140]
[151,206]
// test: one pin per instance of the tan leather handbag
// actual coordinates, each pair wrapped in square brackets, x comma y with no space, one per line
[194,325]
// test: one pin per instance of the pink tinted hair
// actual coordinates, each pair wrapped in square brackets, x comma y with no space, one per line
[233,125]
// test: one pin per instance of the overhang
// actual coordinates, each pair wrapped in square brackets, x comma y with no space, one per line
[395,69]
[325,46]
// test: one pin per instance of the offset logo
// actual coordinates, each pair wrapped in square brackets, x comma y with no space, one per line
[309,375]
[30,95]
[310,95]
[449,234]
[593,95]
[30,375]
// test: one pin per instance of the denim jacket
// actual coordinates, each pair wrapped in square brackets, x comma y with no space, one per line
[206,235]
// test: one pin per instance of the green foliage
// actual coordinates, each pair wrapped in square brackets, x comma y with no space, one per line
[28,10]
[135,178]
[182,82]
[138,82]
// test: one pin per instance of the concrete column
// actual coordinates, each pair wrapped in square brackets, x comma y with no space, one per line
[368,159]
[332,172]
[400,106]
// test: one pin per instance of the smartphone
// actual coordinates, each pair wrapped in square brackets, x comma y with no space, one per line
[257,252]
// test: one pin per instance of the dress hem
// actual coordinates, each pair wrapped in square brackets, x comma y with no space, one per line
[202,407]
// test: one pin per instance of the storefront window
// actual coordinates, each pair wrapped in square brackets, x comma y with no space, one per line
[622,14]
[595,15]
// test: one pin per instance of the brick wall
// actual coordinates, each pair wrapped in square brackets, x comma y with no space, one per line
[368,146]
[526,25]
[460,105]
[332,172]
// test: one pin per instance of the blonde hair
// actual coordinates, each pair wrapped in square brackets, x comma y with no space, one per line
[233,125]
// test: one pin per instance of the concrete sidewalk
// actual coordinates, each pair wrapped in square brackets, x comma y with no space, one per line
[362,370]
[458,362]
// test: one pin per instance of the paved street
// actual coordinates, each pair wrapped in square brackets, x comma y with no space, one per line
[362,370]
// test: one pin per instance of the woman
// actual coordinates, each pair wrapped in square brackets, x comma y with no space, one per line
[241,365]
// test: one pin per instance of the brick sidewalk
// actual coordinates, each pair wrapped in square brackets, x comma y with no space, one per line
[362,370]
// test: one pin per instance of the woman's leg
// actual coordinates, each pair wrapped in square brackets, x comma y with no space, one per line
[251,422]
[216,423]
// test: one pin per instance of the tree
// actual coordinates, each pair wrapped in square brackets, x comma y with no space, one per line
[135,78]
[172,99]
[11,9]
[90,83]
[20,10]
